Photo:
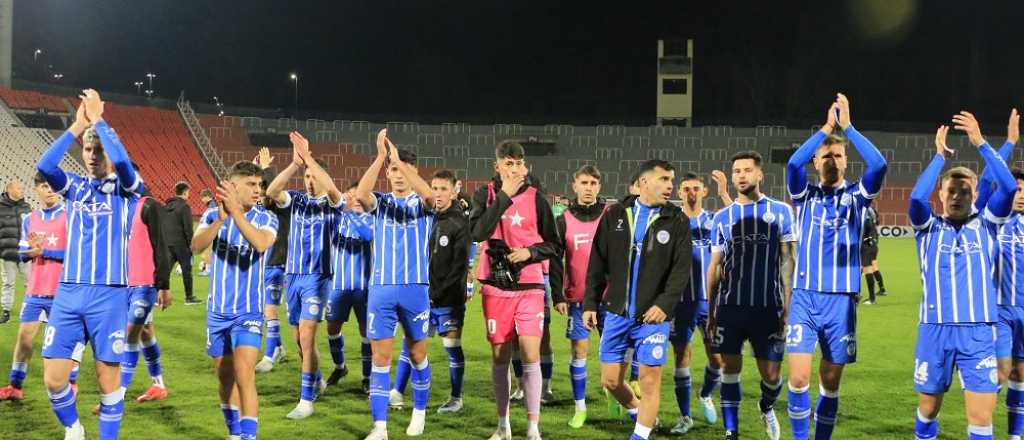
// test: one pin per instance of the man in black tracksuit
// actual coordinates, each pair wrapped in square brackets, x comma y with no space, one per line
[641,254]
[13,208]
[177,227]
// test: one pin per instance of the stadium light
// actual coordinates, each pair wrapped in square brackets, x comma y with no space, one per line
[151,77]
[295,77]
[138,87]
[58,76]
[35,55]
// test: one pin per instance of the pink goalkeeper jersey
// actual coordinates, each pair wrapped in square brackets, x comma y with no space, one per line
[579,238]
[46,272]
[141,268]
[518,228]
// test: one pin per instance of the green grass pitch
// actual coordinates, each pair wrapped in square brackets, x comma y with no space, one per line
[878,399]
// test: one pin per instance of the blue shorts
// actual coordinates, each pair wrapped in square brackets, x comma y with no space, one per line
[140,304]
[690,316]
[447,319]
[35,308]
[87,312]
[273,281]
[969,348]
[387,305]
[341,302]
[307,295]
[1010,333]
[760,326]
[649,341]
[828,319]
[225,332]
[575,330]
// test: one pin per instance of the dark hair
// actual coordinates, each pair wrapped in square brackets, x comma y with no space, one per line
[181,187]
[752,155]
[244,168]
[691,176]
[407,156]
[587,170]
[651,164]
[1018,173]
[206,193]
[509,149]
[444,174]
[39,178]
[634,178]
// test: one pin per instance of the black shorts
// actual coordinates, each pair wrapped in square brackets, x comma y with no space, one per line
[868,253]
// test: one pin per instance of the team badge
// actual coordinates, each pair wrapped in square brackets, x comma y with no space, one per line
[846,199]
[768,217]
[413,202]
[708,224]
[658,352]
[443,241]
[314,309]
[663,237]
[118,347]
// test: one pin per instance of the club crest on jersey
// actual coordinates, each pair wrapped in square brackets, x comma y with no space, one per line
[658,352]
[663,237]
[851,344]
[413,202]
[768,217]
[443,241]
[93,209]
[846,199]
[118,345]
[708,224]
[974,224]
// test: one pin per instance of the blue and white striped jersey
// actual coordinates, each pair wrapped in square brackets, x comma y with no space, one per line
[401,240]
[1011,262]
[831,226]
[99,218]
[701,238]
[353,250]
[309,236]
[958,269]
[236,272]
[750,236]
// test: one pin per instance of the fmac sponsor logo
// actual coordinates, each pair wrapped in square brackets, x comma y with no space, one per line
[657,338]
[93,209]
[960,248]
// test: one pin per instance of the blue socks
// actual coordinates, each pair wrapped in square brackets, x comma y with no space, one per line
[975,432]
[800,412]
[248,428]
[711,379]
[578,373]
[308,387]
[111,410]
[926,429]
[367,356]
[231,419]
[421,385]
[456,365]
[825,414]
[337,344]
[403,371]
[63,403]
[128,364]
[19,370]
[731,395]
[151,353]
[684,388]
[1014,407]
[273,338]
[380,378]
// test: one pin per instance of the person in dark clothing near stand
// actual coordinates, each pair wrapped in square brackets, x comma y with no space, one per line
[177,229]
[13,209]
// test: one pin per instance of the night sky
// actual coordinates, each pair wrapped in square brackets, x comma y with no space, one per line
[576,62]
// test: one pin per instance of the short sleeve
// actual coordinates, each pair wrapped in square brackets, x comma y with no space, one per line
[267,221]
[378,198]
[718,238]
[289,198]
[207,219]
[787,230]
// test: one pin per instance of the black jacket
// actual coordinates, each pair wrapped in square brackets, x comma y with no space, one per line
[484,220]
[177,222]
[278,252]
[664,267]
[11,214]
[557,268]
[449,254]
[152,217]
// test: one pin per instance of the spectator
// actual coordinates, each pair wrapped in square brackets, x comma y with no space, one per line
[13,208]
[177,229]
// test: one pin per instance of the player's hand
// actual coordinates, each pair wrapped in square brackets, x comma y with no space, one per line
[940,142]
[263,159]
[32,252]
[655,315]
[81,121]
[830,119]
[392,152]
[510,185]
[300,147]
[93,105]
[1013,128]
[965,122]
[228,197]
[382,144]
[843,105]
[590,320]
[721,182]
[164,299]
[710,326]
[518,255]
[562,308]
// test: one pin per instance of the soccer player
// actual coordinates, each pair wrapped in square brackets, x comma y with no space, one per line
[43,236]
[641,256]
[957,253]
[576,227]
[692,310]
[273,281]
[398,282]
[239,232]
[869,252]
[353,252]
[830,219]
[309,260]
[90,301]
[749,284]
[513,222]
[205,196]
[149,271]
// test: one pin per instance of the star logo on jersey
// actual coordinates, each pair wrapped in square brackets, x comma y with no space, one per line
[51,240]
[517,220]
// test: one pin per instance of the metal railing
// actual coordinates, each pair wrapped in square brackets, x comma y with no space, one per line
[199,136]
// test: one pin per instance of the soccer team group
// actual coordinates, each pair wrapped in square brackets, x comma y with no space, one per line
[641,271]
